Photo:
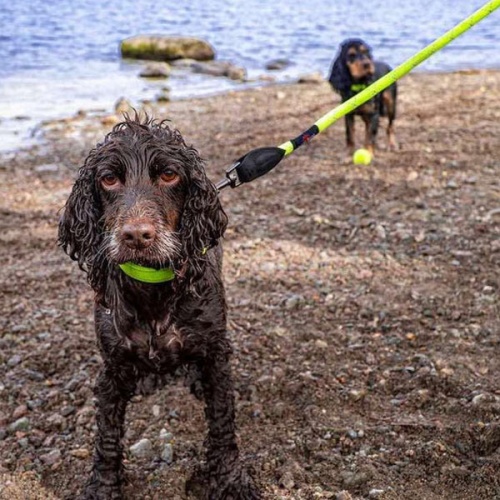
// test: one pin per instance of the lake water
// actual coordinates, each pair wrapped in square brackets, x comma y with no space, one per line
[60,56]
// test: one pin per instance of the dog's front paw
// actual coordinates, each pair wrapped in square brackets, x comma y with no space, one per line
[197,484]
[97,491]
[239,485]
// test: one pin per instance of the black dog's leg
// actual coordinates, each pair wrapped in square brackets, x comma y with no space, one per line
[389,102]
[371,129]
[349,132]
[112,392]
[227,480]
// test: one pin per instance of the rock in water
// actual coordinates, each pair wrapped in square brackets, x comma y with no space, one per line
[166,48]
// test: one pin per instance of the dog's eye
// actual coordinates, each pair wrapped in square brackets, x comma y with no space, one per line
[169,176]
[110,181]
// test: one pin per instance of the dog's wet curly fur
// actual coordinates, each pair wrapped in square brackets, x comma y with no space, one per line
[142,195]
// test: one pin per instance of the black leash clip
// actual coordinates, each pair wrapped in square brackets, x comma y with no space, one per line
[254,164]
[232,179]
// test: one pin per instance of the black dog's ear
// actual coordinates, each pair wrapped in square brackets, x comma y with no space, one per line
[340,78]
[203,219]
[79,232]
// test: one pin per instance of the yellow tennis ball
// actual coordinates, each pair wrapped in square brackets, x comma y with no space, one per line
[361,157]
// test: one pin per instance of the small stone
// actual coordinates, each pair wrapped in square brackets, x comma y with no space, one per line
[237,73]
[48,168]
[483,399]
[21,424]
[315,78]
[72,384]
[156,70]
[164,96]
[23,442]
[14,360]
[293,301]
[277,64]
[67,410]
[20,411]
[142,449]
[123,106]
[34,375]
[51,457]
[352,434]
[321,344]
[357,395]
[167,455]
[343,495]
[381,232]
[20,328]
[85,415]
[56,421]
[375,493]
[412,176]
[355,479]
[80,453]
[156,410]
[166,436]
[287,480]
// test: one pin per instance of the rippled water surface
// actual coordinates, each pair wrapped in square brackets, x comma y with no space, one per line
[60,56]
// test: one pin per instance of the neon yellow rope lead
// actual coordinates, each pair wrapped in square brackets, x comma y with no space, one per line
[387,80]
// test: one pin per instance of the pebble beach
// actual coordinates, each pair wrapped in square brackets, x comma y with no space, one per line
[363,304]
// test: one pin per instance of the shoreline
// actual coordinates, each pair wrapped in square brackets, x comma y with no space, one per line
[362,303]
[152,104]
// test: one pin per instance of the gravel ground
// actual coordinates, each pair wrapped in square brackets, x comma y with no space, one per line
[363,305]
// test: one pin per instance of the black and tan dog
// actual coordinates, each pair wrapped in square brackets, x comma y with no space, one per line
[352,71]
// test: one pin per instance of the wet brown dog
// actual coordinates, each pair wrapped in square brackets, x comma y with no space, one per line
[352,71]
[145,223]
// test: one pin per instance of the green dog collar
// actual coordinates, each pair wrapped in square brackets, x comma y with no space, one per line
[147,274]
[358,87]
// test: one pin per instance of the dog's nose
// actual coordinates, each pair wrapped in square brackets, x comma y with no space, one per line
[366,65]
[138,234]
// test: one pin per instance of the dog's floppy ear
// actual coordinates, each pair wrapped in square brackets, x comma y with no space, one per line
[79,232]
[203,219]
[340,78]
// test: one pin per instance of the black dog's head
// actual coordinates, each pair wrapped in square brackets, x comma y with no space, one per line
[142,195]
[353,63]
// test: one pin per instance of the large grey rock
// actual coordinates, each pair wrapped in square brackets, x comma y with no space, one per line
[166,48]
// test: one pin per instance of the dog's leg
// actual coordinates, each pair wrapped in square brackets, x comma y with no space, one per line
[389,102]
[349,132]
[225,476]
[371,129]
[112,393]
[391,137]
